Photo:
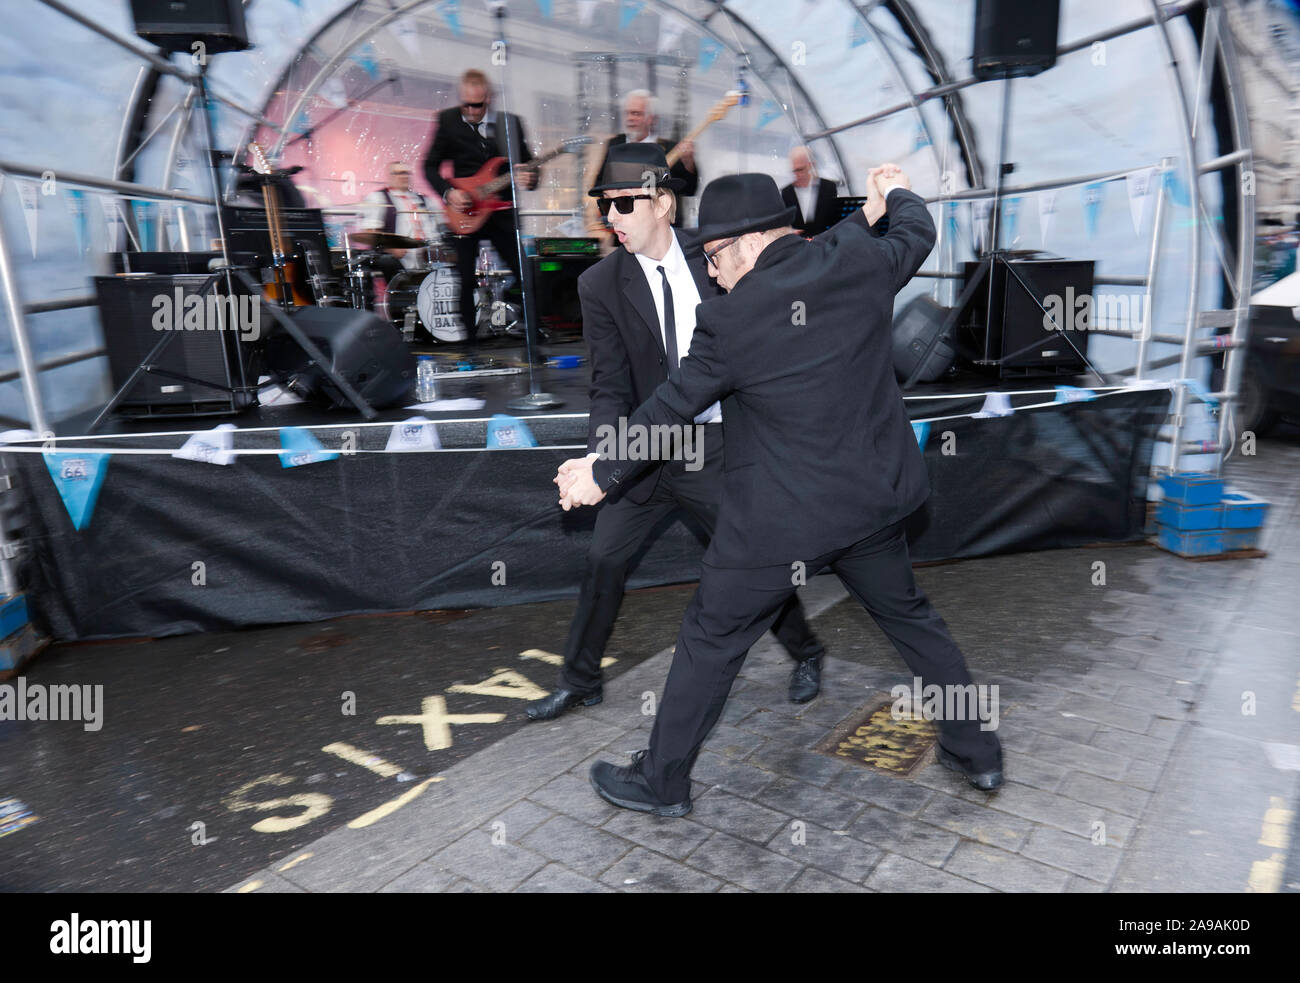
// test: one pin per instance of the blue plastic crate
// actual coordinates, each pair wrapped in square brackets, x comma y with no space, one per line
[13,614]
[1188,517]
[1241,539]
[1192,488]
[1242,510]
[1198,542]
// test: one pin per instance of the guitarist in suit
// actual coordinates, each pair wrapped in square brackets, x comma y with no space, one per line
[814,196]
[469,135]
[638,316]
[802,338]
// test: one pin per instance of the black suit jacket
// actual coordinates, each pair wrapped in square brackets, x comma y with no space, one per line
[824,216]
[819,451]
[457,141]
[625,342]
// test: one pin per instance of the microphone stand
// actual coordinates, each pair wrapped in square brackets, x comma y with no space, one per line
[534,399]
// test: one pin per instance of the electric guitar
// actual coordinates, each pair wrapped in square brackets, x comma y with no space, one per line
[486,185]
[287,284]
[720,109]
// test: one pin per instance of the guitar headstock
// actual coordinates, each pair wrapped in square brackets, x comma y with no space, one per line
[571,144]
[260,164]
[724,106]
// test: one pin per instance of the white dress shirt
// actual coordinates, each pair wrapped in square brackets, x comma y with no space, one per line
[807,198]
[415,218]
[686,296]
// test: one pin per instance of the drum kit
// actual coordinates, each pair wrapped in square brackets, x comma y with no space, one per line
[428,295]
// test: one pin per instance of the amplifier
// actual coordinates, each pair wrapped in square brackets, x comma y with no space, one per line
[567,247]
[215,353]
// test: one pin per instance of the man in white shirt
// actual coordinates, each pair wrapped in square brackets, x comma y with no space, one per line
[402,210]
[638,318]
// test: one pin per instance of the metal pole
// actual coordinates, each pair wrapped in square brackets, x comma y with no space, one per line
[1153,265]
[1194,277]
[31,379]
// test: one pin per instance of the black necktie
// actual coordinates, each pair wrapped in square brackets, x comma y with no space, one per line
[670,327]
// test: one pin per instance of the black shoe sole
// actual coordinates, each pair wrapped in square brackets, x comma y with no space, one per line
[590,701]
[985,781]
[674,811]
[806,699]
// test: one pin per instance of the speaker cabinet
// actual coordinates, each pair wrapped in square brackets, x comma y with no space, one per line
[1015,37]
[1009,327]
[364,349]
[206,345]
[175,25]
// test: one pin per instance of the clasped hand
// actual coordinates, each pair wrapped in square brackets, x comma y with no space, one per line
[577,485]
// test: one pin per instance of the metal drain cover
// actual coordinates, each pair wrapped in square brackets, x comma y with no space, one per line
[874,737]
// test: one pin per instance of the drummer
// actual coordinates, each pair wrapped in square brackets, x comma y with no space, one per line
[400,209]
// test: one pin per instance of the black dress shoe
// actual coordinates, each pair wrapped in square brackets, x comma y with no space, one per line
[806,680]
[560,701]
[627,787]
[985,781]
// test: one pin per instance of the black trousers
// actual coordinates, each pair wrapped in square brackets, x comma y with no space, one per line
[499,230]
[733,607]
[622,528]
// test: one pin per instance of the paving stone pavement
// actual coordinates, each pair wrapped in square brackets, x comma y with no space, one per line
[1130,765]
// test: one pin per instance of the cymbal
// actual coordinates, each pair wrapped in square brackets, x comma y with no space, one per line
[387,240]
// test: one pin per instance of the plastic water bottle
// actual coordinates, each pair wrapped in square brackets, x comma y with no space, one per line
[426,379]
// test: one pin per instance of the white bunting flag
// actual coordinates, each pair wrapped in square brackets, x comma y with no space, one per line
[995,404]
[1139,195]
[414,434]
[213,447]
[587,11]
[980,209]
[29,195]
[1046,210]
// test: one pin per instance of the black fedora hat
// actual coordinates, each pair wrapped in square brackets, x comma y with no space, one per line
[636,165]
[740,203]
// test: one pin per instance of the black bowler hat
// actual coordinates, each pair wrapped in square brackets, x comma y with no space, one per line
[636,165]
[740,203]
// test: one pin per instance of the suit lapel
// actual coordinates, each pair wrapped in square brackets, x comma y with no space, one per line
[637,292]
[699,270]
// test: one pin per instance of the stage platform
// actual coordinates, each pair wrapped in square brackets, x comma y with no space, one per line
[176,545]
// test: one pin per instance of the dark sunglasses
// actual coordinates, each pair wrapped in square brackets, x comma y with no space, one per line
[625,203]
[473,105]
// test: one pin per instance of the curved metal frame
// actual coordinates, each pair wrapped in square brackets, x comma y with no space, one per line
[1222,59]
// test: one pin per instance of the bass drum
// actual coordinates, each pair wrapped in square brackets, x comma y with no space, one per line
[432,296]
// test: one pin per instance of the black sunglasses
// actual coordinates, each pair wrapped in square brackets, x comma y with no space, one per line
[625,203]
[473,105]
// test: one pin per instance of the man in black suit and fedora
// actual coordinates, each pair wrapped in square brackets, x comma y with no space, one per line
[638,316]
[822,465]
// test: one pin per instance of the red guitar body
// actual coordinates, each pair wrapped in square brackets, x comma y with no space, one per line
[485,201]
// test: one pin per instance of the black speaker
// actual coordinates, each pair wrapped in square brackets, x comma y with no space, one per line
[364,349]
[206,345]
[915,326]
[1011,329]
[555,280]
[1015,37]
[174,25]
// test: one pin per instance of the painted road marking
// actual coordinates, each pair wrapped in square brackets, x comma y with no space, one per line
[436,721]
[250,887]
[296,861]
[374,815]
[1266,875]
[550,658]
[371,762]
[504,682]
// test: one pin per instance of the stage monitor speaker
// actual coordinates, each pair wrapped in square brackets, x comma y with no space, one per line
[1015,37]
[1009,328]
[555,280]
[363,348]
[915,326]
[175,25]
[135,310]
